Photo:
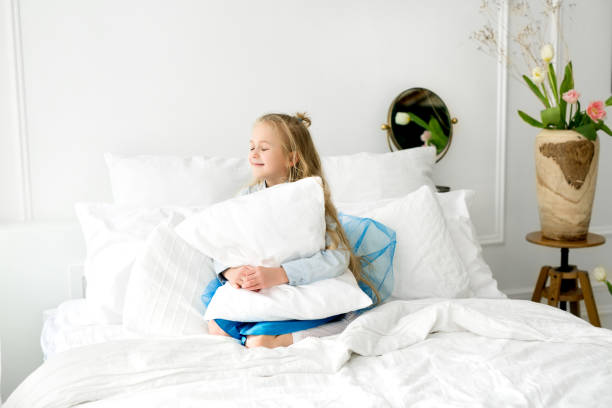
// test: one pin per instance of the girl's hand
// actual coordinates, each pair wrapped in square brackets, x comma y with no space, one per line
[260,277]
[236,275]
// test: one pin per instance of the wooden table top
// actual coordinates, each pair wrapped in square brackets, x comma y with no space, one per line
[591,240]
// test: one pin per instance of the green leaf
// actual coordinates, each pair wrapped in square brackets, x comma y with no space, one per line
[587,131]
[568,79]
[566,85]
[418,121]
[552,116]
[603,127]
[536,91]
[577,119]
[553,81]
[438,137]
[609,287]
[530,120]
[434,126]
[609,101]
[563,112]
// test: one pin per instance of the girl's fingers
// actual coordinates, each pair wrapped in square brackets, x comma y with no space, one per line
[250,277]
[251,285]
[251,282]
[246,272]
[251,271]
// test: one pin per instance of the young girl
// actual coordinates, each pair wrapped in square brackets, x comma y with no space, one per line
[281,150]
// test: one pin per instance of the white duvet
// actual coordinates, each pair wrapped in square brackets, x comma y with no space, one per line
[426,353]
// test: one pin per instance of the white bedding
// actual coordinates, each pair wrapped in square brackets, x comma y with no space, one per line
[72,325]
[422,353]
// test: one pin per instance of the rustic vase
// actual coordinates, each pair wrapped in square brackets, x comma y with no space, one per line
[566,174]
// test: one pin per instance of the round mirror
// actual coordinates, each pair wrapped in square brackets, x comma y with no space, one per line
[419,117]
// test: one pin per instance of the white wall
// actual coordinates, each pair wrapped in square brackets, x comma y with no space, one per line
[189,77]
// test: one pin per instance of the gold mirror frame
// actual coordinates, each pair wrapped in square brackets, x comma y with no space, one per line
[389,130]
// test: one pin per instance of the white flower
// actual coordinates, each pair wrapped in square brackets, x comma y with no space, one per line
[537,75]
[402,118]
[547,53]
[600,273]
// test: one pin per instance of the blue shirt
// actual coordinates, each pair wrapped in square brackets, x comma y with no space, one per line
[324,264]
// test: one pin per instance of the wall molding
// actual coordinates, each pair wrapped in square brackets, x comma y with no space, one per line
[22,118]
[498,236]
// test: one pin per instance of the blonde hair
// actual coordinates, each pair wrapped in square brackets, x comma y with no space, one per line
[307,163]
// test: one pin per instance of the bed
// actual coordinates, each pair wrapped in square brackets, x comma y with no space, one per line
[456,341]
[434,352]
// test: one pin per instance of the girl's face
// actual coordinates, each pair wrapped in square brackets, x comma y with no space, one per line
[267,156]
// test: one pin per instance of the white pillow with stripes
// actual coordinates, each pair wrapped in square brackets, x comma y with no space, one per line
[166,282]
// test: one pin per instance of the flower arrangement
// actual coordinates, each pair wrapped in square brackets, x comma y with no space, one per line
[527,33]
[556,99]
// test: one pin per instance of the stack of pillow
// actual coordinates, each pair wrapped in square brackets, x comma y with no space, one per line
[149,254]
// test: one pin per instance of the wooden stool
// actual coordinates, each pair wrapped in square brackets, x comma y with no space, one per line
[567,283]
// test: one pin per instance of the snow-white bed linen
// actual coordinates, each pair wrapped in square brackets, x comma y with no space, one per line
[421,353]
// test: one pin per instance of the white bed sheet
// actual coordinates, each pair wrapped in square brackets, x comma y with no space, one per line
[426,353]
[71,325]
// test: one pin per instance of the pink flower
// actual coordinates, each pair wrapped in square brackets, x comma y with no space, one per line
[571,96]
[425,137]
[596,111]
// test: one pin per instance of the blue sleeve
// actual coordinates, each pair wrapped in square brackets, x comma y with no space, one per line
[328,263]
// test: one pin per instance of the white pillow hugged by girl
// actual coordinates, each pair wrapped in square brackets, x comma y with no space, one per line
[282,151]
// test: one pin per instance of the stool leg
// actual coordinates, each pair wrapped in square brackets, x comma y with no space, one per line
[555,287]
[572,285]
[575,308]
[589,300]
[540,284]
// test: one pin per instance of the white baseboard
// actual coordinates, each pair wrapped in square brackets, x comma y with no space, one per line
[603,299]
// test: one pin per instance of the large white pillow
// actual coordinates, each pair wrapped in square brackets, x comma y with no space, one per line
[426,262]
[317,300]
[455,207]
[149,180]
[114,237]
[265,228]
[165,286]
[152,181]
[374,176]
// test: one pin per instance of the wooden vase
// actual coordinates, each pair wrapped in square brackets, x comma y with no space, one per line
[566,175]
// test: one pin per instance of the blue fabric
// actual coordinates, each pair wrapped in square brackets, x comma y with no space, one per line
[239,330]
[375,243]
